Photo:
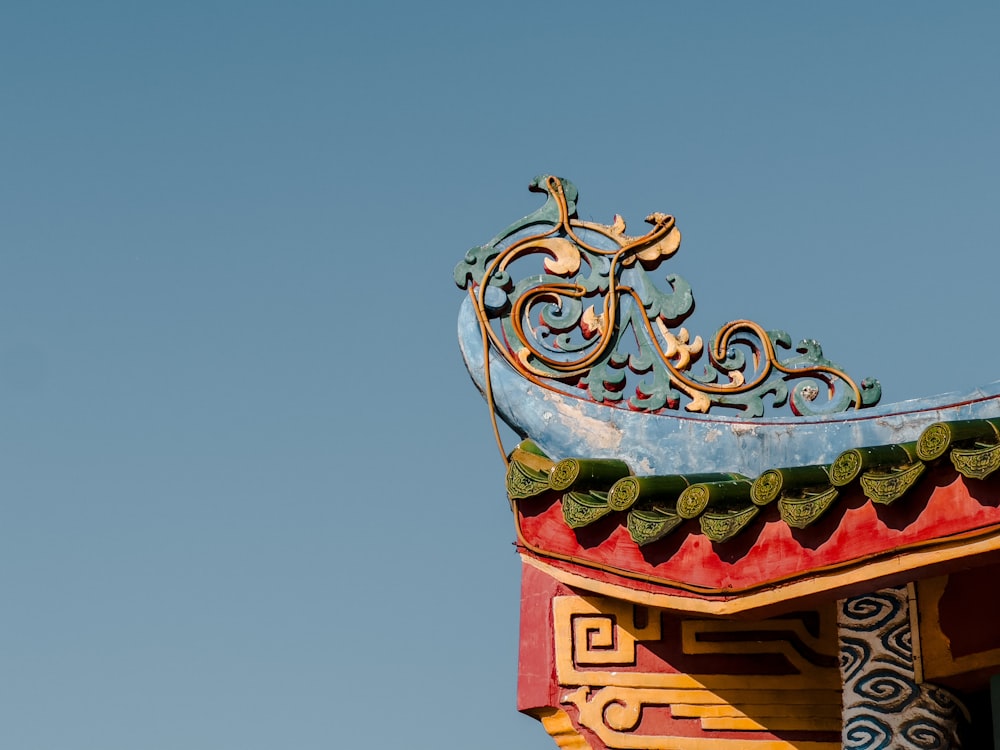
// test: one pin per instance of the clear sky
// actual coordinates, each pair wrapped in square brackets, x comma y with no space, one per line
[250,498]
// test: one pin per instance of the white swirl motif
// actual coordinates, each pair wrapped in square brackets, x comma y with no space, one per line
[884,707]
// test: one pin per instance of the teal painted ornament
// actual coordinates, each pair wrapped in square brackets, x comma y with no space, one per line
[574,306]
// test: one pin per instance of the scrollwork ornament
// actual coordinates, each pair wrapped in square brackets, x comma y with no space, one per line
[800,512]
[886,488]
[846,467]
[854,656]
[925,734]
[572,306]
[933,442]
[564,473]
[886,689]
[523,482]
[871,611]
[766,488]
[693,501]
[648,527]
[976,463]
[941,702]
[721,527]
[884,704]
[867,733]
[897,642]
[623,493]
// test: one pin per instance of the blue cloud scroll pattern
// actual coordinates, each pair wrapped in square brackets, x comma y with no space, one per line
[884,705]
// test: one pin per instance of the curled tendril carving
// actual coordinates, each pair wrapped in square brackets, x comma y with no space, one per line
[571,305]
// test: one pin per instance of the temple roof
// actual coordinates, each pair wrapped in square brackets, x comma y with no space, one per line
[725,543]
[724,504]
[721,475]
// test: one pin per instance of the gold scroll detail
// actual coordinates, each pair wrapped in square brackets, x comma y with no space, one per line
[560,728]
[596,642]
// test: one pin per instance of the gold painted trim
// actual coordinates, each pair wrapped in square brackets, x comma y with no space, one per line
[612,713]
[595,648]
[771,724]
[604,633]
[746,710]
[813,676]
[914,614]
[560,728]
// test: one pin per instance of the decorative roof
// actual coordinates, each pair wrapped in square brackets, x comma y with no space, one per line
[726,543]
[724,504]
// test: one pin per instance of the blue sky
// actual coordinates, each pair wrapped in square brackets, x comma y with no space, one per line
[250,497]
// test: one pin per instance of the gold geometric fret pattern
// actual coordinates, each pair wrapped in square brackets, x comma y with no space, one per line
[596,650]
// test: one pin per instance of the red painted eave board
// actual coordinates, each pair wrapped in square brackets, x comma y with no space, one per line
[876,543]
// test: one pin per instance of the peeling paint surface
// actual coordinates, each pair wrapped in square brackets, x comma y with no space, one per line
[604,435]
[672,443]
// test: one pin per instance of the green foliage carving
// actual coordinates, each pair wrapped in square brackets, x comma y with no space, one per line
[572,305]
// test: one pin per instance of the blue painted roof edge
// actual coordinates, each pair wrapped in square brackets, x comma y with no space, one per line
[564,425]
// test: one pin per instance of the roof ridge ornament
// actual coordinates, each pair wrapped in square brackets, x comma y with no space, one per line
[592,322]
